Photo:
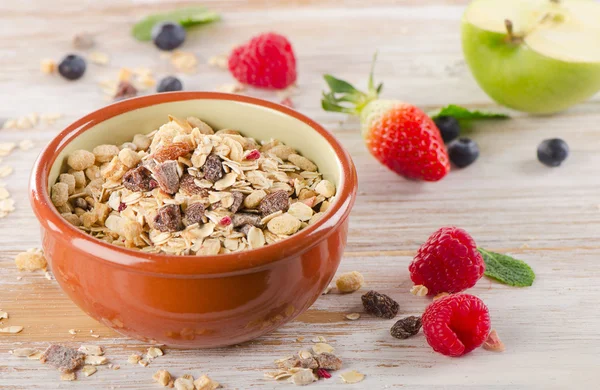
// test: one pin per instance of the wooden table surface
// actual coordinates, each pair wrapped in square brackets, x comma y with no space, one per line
[507,200]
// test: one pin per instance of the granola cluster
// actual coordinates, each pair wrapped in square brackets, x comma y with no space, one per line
[185,189]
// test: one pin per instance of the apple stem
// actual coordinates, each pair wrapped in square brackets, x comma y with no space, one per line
[509,31]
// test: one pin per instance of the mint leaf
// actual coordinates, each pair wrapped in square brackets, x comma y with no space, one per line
[187,17]
[462,113]
[506,269]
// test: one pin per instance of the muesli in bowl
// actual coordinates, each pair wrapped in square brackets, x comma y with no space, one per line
[185,189]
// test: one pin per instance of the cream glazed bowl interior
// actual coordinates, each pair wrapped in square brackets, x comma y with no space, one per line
[195,301]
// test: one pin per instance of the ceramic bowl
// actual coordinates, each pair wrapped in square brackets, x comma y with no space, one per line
[195,301]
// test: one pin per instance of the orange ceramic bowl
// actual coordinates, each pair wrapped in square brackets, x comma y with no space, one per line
[195,301]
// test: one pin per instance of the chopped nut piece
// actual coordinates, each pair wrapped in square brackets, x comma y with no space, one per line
[349,282]
[493,342]
[206,383]
[353,316]
[419,290]
[93,350]
[406,327]
[352,377]
[143,363]
[12,329]
[89,370]
[68,376]
[154,352]
[32,260]
[64,358]
[163,377]
[171,152]
[380,305]
[134,359]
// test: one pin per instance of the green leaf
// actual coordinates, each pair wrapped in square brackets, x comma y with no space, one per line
[462,113]
[339,86]
[506,269]
[329,105]
[187,17]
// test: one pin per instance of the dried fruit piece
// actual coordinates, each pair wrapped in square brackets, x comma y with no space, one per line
[167,177]
[241,219]
[349,282]
[238,199]
[168,218]
[189,187]
[273,202]
[138,179]
[194,213]
[406,327]
[213,168]
[171,151]
[125,90]
[64,358]
[323,373]
[328,361]
[456,324]
[380,305]
[493,342]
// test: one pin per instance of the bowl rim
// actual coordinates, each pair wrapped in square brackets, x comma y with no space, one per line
[131,259]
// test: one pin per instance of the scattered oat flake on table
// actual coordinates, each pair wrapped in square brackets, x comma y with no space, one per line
[35,356]
[32,260]
[220,61]
[493,342]
[6,206]
[24,352]
[154,352]
[184,61]
[95,335]
[99,58]
[95,360]
[303,377]
[319,348]
[72,331]
[353,316]
[352,377]
[26,144]
[48,276]
[163,377]
[3,315]
[419,290]
[206,383]
[6,148]
[68,376]
[89,370]
[50,118]
[5,170]
[134,359]
[94,350]
[319,339]
[231,88]
[11,329]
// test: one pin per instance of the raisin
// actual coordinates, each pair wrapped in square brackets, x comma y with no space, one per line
[137,179]
[168,218]
[328,361]
[122,206]
[82,204]
[194,213]
[274,202]
[241,219]
[167,177]
[380,305]
[406,327]
[171,152]
[245,229]
[213,169]
[238,199]
[64,358]
[189,187]
[125,90]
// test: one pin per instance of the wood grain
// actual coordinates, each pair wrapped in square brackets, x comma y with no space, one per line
[507,200]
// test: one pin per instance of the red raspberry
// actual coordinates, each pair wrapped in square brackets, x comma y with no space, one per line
[456,324]
[266,61]
[447,262]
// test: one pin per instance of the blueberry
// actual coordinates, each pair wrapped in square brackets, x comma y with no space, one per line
[463,152]
[168,84]
[448,126]
[168,35]
[552,152]
[72,67]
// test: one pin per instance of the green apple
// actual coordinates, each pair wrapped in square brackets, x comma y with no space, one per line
[538,56]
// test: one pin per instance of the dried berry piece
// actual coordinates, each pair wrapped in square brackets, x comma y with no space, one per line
[238,199]
[167,177]
[274,202]
[64,358]
[213,168]
[380,305]
[125,90]
[323,373]
[137,179]
[328,361]
[172,151]
[189,187]
[194,213]
[168,218]
[241,219]
[406,327]
[297,361]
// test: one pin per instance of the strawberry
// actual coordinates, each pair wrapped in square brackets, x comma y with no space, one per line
[398,134]
[266,61]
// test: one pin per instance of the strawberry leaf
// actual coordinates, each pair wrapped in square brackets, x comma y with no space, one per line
[462,113]
[507,270]
[187,17]
[339,86]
